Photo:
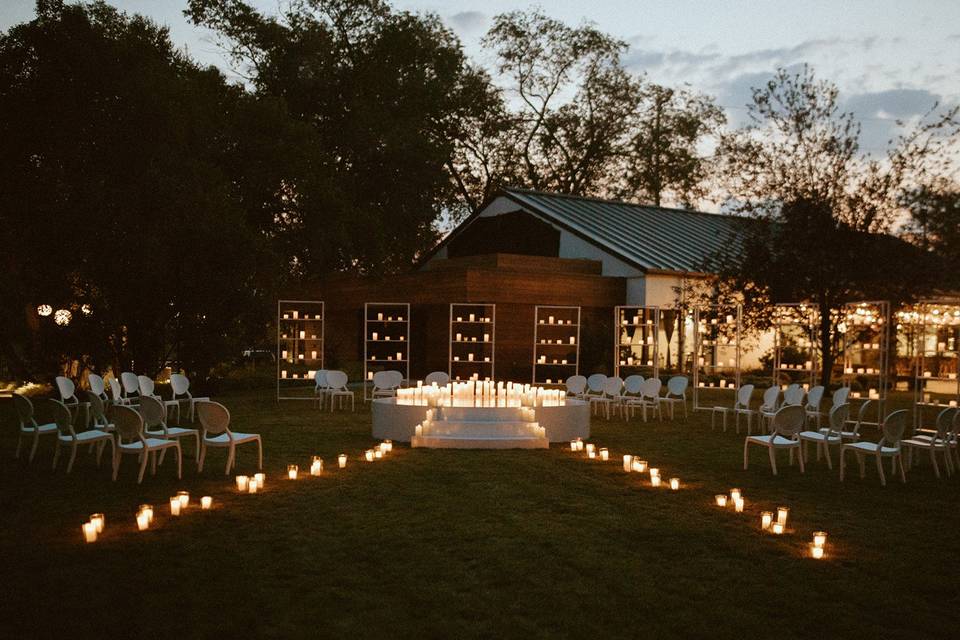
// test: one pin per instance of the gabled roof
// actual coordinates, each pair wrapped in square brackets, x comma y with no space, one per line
[651,238]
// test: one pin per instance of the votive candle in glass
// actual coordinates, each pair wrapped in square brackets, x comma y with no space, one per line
[738,505]
[816,552]
[654,472]
[98,520]
[252,486]
[777,528]
[628,463]
[184,499]
[316,466]
[674,483]
[378,454]
[782,513]
[654,481]
[604,453]
[639,465]
[766,518]
[342,460]
[721,500]
[147,509]
[260,477]
[90,531]
[819,538]
[206,502]
[175,506]
[242,482]
[292,471]
[143,521]
[591,449]
[368,455]
[734,494]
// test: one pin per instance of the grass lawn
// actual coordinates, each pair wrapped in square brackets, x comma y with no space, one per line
[461,544]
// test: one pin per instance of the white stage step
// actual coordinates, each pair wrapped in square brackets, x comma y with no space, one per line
[481,428]
[458,442]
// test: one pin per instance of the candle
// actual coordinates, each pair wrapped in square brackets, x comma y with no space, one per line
[674,483]
[316,466]
[90,531]
[639,465]
[604,454]
[175,506]
[627,463]
[734,494]
[184,499]
[816,552]
[206,502]
[259,477]
[590,449]
[782,514]
[368,455]
[242,483]
[380,317]
[292,471]
[378,454]
[766,518]
[252,486]
[819,538]
[738,505]
[143,521]
[777,528]
[97,519]
[573,445]
[721,500]
[654,481]
[472,316]
[148,510]
[654,472]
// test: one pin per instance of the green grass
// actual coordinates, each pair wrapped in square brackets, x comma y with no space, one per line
[443,544]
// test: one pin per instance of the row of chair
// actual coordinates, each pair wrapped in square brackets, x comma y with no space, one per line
[793,395]
[628,395]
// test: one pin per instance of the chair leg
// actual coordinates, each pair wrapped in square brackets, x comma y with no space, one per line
[773,459]
[196,454]
[863,471]
[73,455]
[933,461]
[843,461]
[259,454]
[16,454]
[883,478]
[116,464]
[56,456]
[203,455]
[800,455]
[230,460]
[33,449]
[179,461]
[746,443]
[903,476]
[143,466]
[826,453]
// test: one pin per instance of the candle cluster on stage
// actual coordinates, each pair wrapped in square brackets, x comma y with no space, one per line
[481,393]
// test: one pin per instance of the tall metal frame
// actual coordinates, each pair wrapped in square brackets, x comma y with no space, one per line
[386,340]
[556,331]
[636,341]
[935,329]
[472,328]
[866,352]
[795,344]
[300,340]
[717,350]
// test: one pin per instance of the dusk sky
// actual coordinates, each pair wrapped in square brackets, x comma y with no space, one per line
[890,59]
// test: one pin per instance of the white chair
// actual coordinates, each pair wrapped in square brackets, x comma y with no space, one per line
[793,395]
[889,446]
[576,386]
[131,385]
[814,398]
[611,395]
[440,377]
[116,393]
[337,389]
[595,387]
[741,406]
[787,424]
[68,396]
[131,441]
[940,441]
[826,437]
[147,390]
[215,422]
[649,397]
[68,437]
[320,387]
[98,416]
[841,396]
[631,387]
[180,386]
[154,413]
[97,386]
[676,393]
[29,426]
[386,383]
[853,434]
[768,408]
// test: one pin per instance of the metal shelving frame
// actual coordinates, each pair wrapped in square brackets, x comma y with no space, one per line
[299,346]
[866,351]
[555,330]
[630,324]
[390,323]
[795,326]
[471,335]
[716,331]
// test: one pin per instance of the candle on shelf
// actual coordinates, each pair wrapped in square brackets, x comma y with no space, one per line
[292,471]
[782,513]
[472,316]
[316,466]
[819,538]
[184,499]
[206,502]
[90,531]
[143,521]
[368,455]
[342,460]
[259,477]
[721,500]
[242,483]
[738,505]
[674,483]
[380,317]
[628,463]
[766,518]
[734,494]
[174,506]
[98,520]
[816,552]
[777,528]
[604,453]
[654,481]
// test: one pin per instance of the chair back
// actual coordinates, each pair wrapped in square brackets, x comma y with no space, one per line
[153,411]
[770,398]
[839,413]
[214,418]
[116,391]
[595,383]
[397,379]
[386,380]
[180,385]
[61,417]
[440,377]
[814,398]
[793,395]
[337,380]
[96,385]
[130,382]
[744,393]
[576,385]
[893,428]
[677,386]
[945,422]
[632,384]
[841,395]
[67,389]
[862,416]
[651,388]
[128,422]
[24,409]
[320,379]
[612,387]
[145,385]
[789,420]
[97,415]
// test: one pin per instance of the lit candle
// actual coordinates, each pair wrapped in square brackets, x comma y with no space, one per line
[766,518]
[98,520]
[604,453]
[90,531]
[819,538]
[143,521]
[573,445]
[639,465]
[816,552]
[590,449]
[259,477]
[738,505]
[292,471]
[777,528]
[655,481]
[654,472]
[734,494]
[316,466]
[184,499]
[782,514]
[368,455]
[627,463]
[242,483]
[175,506]
[674,483]
[721,500]
[378,454]
[252,486]
[206,502]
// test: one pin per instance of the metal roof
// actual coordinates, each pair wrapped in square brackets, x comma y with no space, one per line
[652,238]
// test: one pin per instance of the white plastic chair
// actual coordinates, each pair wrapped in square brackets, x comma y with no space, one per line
[814,398]
[147,387]
[793,395]
[116,393]
[154,413]
[97,386]
[180,386]
[841,396]
[595,388]
[320,387]
[215,422]
[676,393]
[386,383]
[741,407]
[98,416]
[68,437]
[768,408]
[440,377]
[576,386]
[829,436]
[788,422]
[29,426]
[131,385]
[68,396]
[889,446]
[337,388]
[131,441]
[941,440]
[853,434]
[649,397]
[612,395]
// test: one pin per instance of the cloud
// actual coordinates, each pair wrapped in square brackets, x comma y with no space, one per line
[469,21]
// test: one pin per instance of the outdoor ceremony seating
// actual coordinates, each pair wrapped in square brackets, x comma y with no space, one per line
[768,407]
[68,396]
[940,441]
[610,398]
[215,423]
[180,388]
[440,377]
[386,383]
[131,385]
[29,426]
[853,434]
[741,406]
[68,437]
[154,414]
[828,436]
[787,424]
[594,387]
[631,387]
[97,386]
[337,389]
[320,387]
[576,386]
[649,398]
[889,446]
[793,395]
[132,441]
[98,416]
[147,386]
[676,394]
[116,393]
[814,399]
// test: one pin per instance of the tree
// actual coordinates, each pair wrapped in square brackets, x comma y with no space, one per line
[816,209]
[934,225]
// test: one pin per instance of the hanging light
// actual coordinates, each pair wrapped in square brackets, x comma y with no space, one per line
[44,310]
[62,317]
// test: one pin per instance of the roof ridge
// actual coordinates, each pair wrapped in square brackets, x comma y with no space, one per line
[610,201]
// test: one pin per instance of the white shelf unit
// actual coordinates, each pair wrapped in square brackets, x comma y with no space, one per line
[636,341]
[716,353]
[795,343]
[935,329]
[472,340]
[386,341]
[300,337]
[865,339]
[556,344]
